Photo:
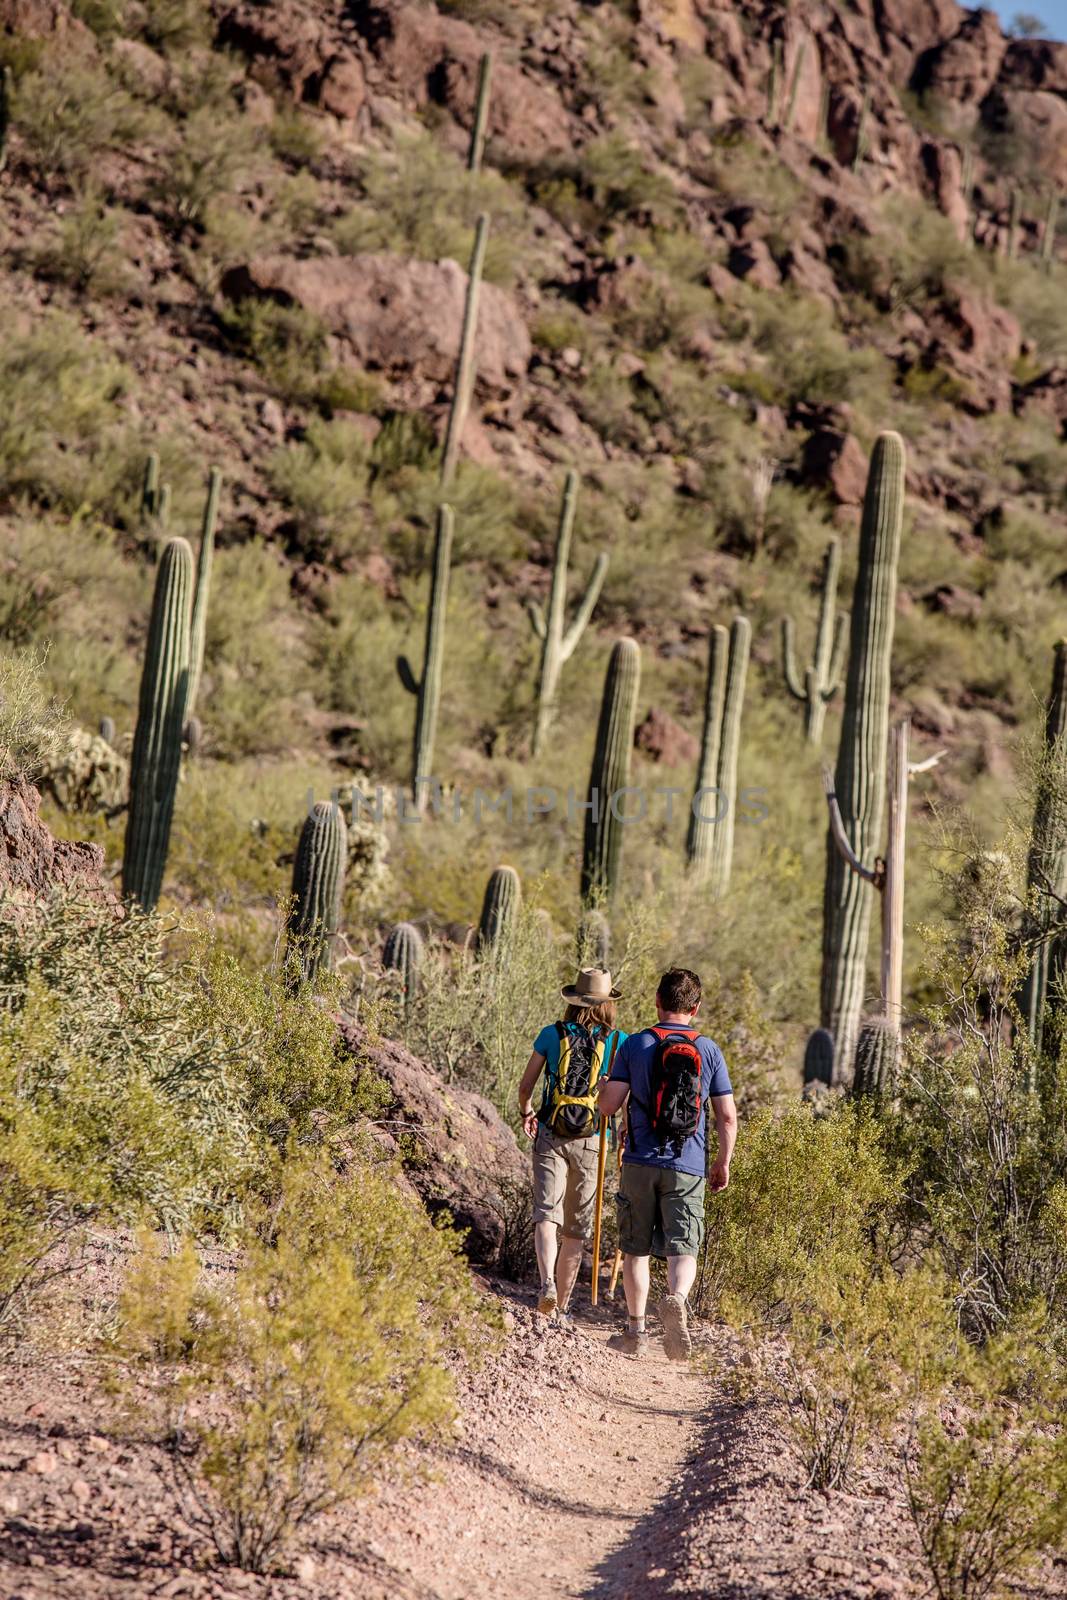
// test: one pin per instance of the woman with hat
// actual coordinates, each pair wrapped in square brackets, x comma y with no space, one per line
[573,1054]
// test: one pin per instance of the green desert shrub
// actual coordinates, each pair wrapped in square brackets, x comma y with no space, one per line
[69,114]
[985,1471]
[83,250]
[803,1200]
[324,480]
[30,721]
[290,346]
[114,1102]
[58,443]
[420,200]
[287,1390]
[203,163]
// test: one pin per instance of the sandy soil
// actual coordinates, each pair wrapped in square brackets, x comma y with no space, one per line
[576,1474]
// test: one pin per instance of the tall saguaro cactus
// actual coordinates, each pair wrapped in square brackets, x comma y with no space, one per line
[1047,864]
[318,879]
[204,560]
[157,740]
[558,646]
[6,95]
[602,845]
[1048,231]
[794,85]
[710,841]
[465,363]
[481,114]
[822,679]
[500,910]
[859,780]
[427,689]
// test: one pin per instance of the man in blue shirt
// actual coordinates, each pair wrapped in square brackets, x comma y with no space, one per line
[662,1185]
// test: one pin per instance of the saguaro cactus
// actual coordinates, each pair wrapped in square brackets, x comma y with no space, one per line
[861,759]
[1014,218]
[710,841]
[155,497]
[819,1057]
[862,132]
[1048,232]
[427,689]
[205,557]
[481,114]
[1047,864]
[774,82]
[157,740]
[794,85]
[403,954]
[558,646]
[822,679]
[318,879]
[610,773]
[5,112]
[500,910]
[877,1057]
[465,364]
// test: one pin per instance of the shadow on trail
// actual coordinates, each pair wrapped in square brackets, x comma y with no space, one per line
[490,1468]
[652,1562]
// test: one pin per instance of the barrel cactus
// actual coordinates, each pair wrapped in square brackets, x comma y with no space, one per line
[602,844]
[860,776]
[157,740]
[500,910]
[318,881]
[403,953]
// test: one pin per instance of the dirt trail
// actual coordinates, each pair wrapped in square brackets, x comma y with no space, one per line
[541,1497]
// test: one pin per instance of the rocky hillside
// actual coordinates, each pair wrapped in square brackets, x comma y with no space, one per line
[728,244]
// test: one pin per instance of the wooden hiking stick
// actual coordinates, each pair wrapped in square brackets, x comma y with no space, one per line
[598,1215]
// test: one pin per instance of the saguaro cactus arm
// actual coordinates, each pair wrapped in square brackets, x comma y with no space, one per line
[481,114]
[793,683]
[585,610]
[406,675]
[837,656]
[204,561]
[536,614]
[465,364]
[875,874]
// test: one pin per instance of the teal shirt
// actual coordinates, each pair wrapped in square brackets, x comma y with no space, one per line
[547,1044]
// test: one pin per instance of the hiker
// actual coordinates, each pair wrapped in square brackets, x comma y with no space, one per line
[665,1076]
[574,1054]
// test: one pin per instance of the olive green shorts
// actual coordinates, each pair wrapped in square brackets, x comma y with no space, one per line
[661,1212]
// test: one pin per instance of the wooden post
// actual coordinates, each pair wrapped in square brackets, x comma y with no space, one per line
[893,892]
[598,1215]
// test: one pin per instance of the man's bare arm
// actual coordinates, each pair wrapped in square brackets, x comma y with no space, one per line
[726,1131]
[534,1068]
[613,1096]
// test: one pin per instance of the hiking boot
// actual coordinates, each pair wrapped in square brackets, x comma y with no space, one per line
[676,1341]
[546,1303]
[629,1344]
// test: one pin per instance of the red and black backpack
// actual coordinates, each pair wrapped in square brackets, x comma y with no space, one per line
[675,1081]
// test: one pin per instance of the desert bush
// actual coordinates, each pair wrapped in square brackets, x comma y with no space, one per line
[608,179]
[981,1122]
[71,112]
[986,1470]
[287,1392]
[420,200]
[83,250]
[856,1350]
[290,346]
[31,722]
[203,163]
[173,24]
[256,654]
[324,481]
[113,1099]
[57,433]
[802,1209]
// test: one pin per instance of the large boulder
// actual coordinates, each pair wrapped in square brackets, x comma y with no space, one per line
[33,863]
[397,316]
[965,67]
[291,48]
[458,1153]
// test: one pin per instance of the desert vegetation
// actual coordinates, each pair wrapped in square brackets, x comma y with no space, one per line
[701,434]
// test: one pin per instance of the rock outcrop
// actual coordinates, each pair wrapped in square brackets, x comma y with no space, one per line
[33,863]
[459,1155]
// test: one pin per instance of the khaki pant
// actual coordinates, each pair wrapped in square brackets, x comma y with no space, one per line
[661,1212]
[564,1182]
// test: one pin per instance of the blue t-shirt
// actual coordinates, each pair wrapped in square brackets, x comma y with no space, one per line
[633,1063]
[547,1044]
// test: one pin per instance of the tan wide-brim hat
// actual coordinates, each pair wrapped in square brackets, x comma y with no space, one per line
[591,987]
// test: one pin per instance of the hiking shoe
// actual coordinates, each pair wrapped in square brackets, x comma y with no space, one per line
[629,1344]
[547,1302]
[676,1341]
